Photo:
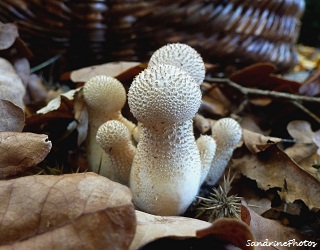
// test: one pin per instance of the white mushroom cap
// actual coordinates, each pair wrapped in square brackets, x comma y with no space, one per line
[227,133]
[105,94]
[183,56]
[164,94]
[114,137]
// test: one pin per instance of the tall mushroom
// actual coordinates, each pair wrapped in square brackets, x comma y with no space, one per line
[105,96]
[166,170]
[183,56]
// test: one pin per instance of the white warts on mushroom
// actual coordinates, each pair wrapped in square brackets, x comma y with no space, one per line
[207,149]
[182,56]
[105,96]
[115,138]
[227,133]
[166,170]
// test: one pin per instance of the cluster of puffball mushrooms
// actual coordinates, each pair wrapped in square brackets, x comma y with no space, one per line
[158,158]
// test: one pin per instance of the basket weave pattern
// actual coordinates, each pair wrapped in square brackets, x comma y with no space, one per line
[100,30]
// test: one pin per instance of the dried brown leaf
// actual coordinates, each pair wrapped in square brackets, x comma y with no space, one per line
[268,231]
[260,75]
[12,117]
[256,142]
[74,211]
[8,35]
[111,69]
[273,168]
[230,230]
[20,151]
[152,227]
[11,86]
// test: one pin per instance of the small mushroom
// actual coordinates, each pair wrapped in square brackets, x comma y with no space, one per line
[207,149]
[115,138]
[105,96]
[166,170]
[182,56]
[227,133]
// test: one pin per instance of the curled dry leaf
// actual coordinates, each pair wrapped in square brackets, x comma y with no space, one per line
[223,233]
[152,227]
[69,105]
[8,35]
[256,142]
[74,211]
[273,168]
[230,230]
[12,117]
[268,231]
[110,69]
[20,151]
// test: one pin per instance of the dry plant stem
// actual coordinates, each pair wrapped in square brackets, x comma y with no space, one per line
[274,94]
[269,93]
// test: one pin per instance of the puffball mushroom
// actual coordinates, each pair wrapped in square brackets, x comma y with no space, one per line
[115,138]
[182,56]
[227,133]
[166,169]
[207,149]
[104,96]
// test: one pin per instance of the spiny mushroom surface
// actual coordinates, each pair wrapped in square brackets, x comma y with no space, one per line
[182,56]
[227,133]
[166,170]
[105,96]
[207,149]
[115,138]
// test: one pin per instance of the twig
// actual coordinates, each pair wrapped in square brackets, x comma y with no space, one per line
[269,93]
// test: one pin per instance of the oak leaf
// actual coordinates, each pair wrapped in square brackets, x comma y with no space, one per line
[20,151]
[73,211]
[272,168]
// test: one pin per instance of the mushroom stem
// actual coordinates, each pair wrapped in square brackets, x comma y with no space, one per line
[161,181]
[227,133]
[207,148]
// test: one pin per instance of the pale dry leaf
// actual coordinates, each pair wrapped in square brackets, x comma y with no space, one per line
[8,35]
[110,69]
[259,205]
[316,140]
[301,131]
[152,227]
[305,145]
[273,168]
[12,117]
[73,211]
[11,86]
[267,230]
[20,151]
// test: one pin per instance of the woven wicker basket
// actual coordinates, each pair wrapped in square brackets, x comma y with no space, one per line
[96,31]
